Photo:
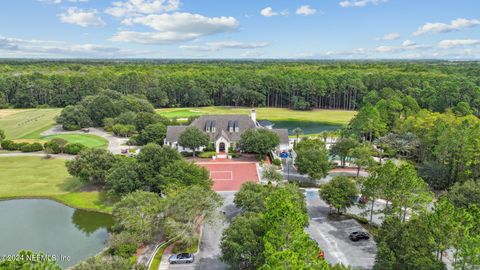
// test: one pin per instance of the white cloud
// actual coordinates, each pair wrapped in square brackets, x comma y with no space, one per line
[455,25]
[269,12]
[390,36]
[60,1]
[81,17]
[219,45]
[138,7]
[49,48]
[360,3]
[251,54]
[175,27]
[450,43]
[407,45]
[306,10]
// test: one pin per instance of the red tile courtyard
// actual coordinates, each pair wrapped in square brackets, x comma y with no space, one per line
[228,175]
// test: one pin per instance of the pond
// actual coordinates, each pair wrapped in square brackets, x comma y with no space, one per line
[306,126]
[52,228]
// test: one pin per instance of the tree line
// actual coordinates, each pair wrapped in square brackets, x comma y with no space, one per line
[299,85]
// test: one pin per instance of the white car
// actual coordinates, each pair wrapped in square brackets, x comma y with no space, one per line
[181,258]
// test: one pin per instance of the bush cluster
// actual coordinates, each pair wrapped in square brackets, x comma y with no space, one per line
[21,146]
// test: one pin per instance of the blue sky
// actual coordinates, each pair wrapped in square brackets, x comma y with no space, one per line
[311,29]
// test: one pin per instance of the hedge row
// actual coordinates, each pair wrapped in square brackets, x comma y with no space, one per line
[52,147]
[21,146]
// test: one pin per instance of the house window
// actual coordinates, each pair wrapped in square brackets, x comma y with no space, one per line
[236,126]
[207,126]
[213,126]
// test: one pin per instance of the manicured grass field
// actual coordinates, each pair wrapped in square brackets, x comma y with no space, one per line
[27,125]
[22,123]
[332,117]
[30,177]
[88,140]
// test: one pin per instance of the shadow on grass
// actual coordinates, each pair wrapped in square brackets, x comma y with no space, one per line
[85,196]
[71,184]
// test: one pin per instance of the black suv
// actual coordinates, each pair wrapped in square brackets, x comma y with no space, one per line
[356,236]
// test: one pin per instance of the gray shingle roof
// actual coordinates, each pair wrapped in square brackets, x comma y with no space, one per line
[173,132]
[282,134]
[221,127]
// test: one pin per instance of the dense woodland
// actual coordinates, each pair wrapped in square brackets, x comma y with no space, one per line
[301,85]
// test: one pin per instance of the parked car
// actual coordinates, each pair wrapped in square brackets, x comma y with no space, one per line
[124,151]
[85,130]
[356,236]
[181,258]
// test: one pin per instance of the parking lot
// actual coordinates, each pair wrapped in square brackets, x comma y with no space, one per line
[332,236]
[209,256]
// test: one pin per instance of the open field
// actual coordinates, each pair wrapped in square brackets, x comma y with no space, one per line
[26,125]
[88,140]
[332,117]
[35,177]
[20,123]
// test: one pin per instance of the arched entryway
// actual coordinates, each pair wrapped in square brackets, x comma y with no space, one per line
[221,147]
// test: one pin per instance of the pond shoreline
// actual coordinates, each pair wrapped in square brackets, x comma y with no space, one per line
[49,226]
[55,200]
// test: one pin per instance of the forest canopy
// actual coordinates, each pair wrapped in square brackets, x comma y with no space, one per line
[434,85]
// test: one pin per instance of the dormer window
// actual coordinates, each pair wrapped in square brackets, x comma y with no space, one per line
[207,126]
[236,126]
[213,126]
[230,126]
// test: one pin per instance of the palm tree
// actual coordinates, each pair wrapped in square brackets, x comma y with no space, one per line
[297,132]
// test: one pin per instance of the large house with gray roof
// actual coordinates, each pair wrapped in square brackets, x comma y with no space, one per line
[224,131]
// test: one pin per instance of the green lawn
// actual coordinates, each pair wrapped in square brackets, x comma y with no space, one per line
[88,140]
[36,177]
[28,124]
[25,123]
[332,117]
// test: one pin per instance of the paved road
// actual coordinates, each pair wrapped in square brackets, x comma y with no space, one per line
[332,236]
[115,144]
[209,256]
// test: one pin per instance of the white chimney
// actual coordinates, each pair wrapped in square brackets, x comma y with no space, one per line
[253,115]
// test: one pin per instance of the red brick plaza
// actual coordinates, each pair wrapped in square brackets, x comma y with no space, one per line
[229,175]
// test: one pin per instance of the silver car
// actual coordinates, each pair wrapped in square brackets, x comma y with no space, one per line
[181,258]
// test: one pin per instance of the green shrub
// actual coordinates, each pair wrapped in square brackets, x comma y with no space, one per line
[236,155]
[52,147]
[186,154]
[123,130]
[71,127]
[188,246]
[125,250]
[9,145]
[210,148]
[61,142]
[123,244]
[277,162]
[133,140]
[31,147]
[206,154]
[73,148]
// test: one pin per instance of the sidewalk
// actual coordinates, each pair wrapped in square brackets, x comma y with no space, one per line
[164,264]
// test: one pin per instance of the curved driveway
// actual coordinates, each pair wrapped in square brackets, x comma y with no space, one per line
[115,144]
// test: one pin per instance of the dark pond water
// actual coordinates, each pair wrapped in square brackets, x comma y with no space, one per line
[52,228]
[307,127]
